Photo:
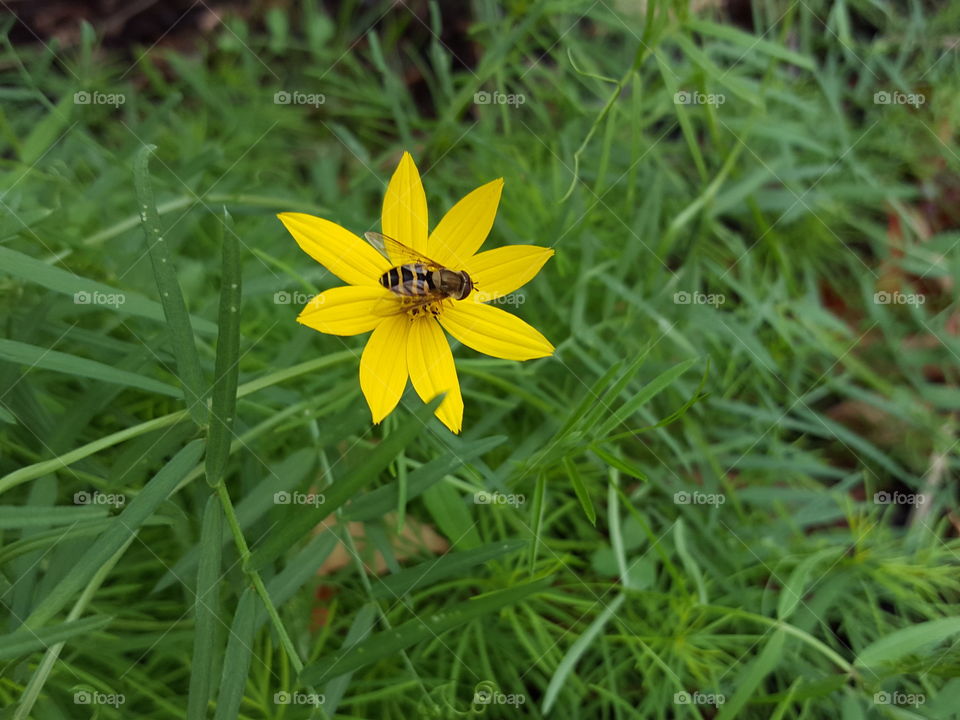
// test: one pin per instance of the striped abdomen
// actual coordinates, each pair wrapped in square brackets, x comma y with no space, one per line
[411,280]
[419,280]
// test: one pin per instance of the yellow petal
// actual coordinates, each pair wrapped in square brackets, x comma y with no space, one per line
[493,331]
[383,366]
[466,225]
[499,272]
[349,310]
[405,207]
[432,370]
[336,248]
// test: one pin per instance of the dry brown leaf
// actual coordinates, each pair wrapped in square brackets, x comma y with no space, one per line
[417,538]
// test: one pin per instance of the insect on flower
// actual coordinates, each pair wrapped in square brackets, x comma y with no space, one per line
[408,285]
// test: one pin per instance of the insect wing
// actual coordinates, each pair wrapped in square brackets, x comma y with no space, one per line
[396,252]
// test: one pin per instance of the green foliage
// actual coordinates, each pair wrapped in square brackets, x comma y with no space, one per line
[679,506]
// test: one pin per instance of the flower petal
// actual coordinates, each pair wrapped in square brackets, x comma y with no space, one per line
[349,310]
[383,366]
[499,272]
[493,331]
[405,207]
[466,225]
[432,370]
[336,248]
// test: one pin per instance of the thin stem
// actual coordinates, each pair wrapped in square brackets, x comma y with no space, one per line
[351,546]
[258,583]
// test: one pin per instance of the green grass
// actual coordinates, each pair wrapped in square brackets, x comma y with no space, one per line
[780,399]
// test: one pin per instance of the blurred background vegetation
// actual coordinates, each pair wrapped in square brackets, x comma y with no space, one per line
[733,489]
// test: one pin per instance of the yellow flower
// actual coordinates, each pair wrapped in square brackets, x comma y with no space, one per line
[408,340]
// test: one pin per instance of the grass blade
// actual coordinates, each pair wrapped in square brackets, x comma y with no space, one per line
[298,524]
[385,644]
[583,495]
[45,667]
[122,528]
[24,642]
[84,289]
[907,641]
[236,664]
[749,680]
[536,526]
[46,359]
[281,478]
[18,516]
[171,296]
[452,516]
[226,368]
[379,502]
[206,606]
[432,571]
[359,630]
[576,650]
[660,383]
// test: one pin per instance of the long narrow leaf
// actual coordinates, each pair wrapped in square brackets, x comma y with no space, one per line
[386,644]
[46,359]
[171,296]
[576,650]
[206,607]
[84,290]
[24,642]
[422,576]
[120,531]
[236,664]
[226,369]
[299,523]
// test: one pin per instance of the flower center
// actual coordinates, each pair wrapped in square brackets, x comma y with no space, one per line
[422,307]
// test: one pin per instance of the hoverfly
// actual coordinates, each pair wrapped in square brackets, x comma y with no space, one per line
[417,277]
